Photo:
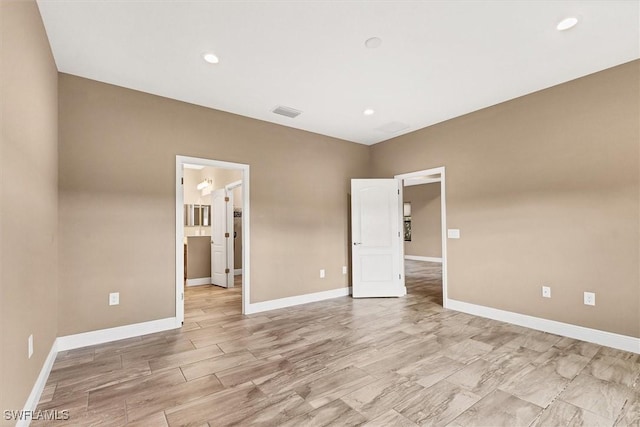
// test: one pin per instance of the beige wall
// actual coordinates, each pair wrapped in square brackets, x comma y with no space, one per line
[28,200]
[299,187]
[426,232]
[192,177]
[198,257]
[545,190]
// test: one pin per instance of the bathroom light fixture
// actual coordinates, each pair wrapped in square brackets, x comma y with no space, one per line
[210,58]
[368,111]
[203,184]
[567,23]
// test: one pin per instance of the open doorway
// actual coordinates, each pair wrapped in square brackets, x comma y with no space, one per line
[424,229]
[202,219]
[213,202]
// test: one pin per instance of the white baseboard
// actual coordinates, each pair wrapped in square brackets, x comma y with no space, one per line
[237,272]
[423,258]
[297,300]
[608,339]
[38,387]
[69,342]
[199,281]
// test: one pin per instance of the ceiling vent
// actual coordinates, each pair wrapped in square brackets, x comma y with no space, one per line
[392,127]
[287,111]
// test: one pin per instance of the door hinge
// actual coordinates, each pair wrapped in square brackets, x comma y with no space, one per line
[398,192]
[226,234]
[398,234]
[399,276]
[226,199]
[182,181]
[226,270]
[182,296]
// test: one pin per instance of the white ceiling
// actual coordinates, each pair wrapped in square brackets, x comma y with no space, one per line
[438,59]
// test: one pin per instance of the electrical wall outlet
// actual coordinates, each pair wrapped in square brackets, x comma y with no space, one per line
[114,298]
[30,345]
[322,273]
[546,292]
[344,269]
[453,233]
[589,298]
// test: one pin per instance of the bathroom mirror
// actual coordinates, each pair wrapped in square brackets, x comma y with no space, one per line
[197,215]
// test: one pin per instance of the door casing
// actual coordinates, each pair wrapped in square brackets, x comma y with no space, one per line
[179,230]
[443,213]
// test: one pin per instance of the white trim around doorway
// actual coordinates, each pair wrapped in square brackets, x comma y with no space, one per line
[443,208]
[246,234]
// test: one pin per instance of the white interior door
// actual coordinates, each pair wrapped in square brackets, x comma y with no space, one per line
[219,236]
[230,240]
[376,250]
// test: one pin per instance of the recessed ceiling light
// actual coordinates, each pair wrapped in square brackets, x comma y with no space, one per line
[567,23]
[368,111]
[373,42]
[210,58]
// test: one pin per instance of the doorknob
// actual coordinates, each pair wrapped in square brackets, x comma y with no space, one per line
[357,243]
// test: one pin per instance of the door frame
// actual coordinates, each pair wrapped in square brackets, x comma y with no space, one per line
[179,231]
[443,213]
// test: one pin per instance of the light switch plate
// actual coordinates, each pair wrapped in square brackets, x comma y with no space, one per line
[114,298]
[344,269]
[546,292]
[453,233]
[30,345]
[589,298]
[322,273]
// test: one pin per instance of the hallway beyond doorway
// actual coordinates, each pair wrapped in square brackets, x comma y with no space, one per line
[210,304]
[424,278]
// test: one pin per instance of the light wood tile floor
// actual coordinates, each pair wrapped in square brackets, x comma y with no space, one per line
[374,362]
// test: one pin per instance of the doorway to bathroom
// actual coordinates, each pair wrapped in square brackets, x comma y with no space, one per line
[212,234]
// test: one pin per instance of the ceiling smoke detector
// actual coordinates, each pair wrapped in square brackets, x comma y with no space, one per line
[287,111]
[373,42]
